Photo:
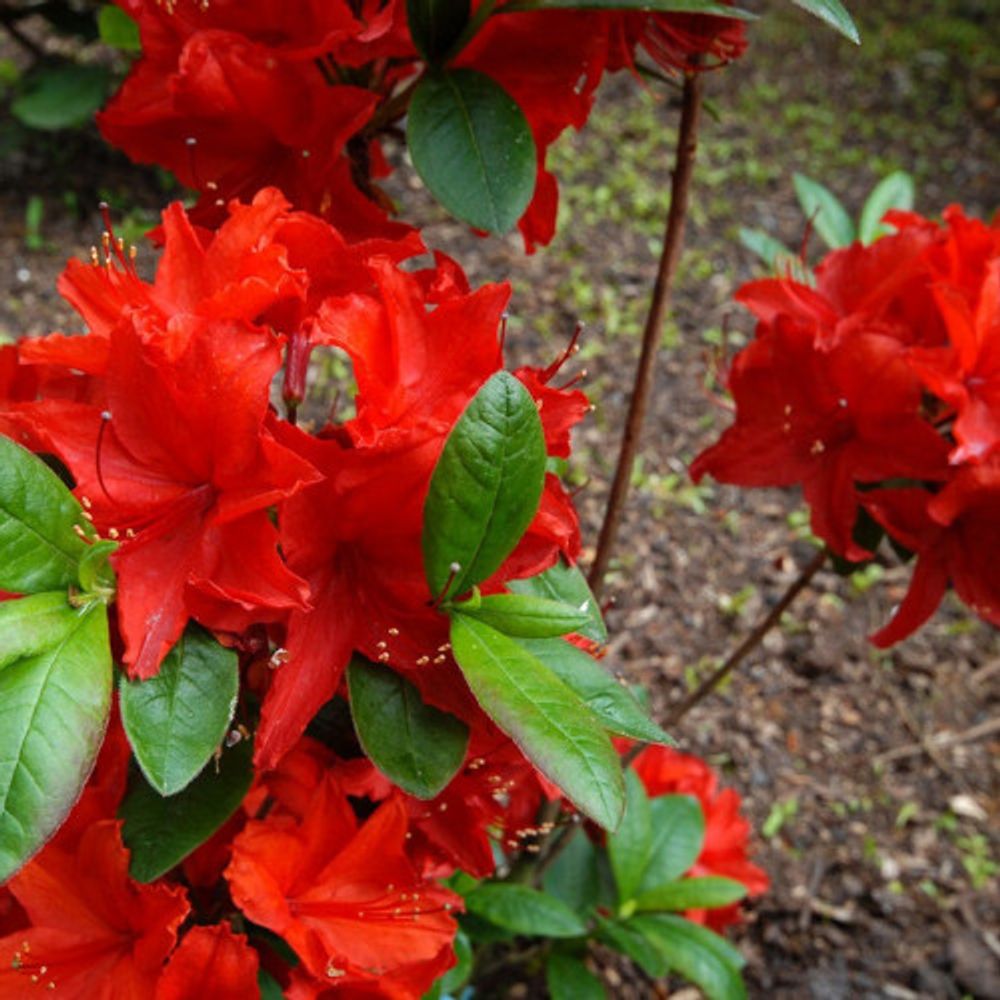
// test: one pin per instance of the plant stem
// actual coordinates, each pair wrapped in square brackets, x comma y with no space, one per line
[733,660]
[687,144]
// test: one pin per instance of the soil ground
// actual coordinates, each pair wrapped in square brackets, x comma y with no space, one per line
[871,778]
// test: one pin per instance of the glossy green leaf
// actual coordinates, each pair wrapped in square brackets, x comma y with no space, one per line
[117,29]
[64,95]
[894,191]
[569,979]
[524,910]
[828,215]
[41,551]
[54,705]
[415,745]
[835,14]
[176,720]
[629,846]
[550,724]
[565,583]
[524,616]
[473,148]
[612,702]
[573,877]
[696,953]
[627,940]
[678,835]
[162,831]
[485,488]
[435,25]
[31,625]
[704,893]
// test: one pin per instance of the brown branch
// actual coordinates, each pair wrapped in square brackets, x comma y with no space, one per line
[673,238]
[754,639]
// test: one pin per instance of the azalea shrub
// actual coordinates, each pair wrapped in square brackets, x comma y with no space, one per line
[307,699]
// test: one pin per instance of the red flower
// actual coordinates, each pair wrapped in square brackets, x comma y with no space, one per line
[210,961]
[94,933]
[666,772]
[345,897]
[956,536]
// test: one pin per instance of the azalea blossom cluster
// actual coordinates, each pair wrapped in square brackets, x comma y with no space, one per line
[233,96]
[877,389]
[296,547]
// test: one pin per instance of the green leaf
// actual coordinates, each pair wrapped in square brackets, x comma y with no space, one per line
[829,217]
[629,846]
[117,29]
[553,728]
[41,551]
[573,877]
[522,615]
[678,835]
[696,953]
[416,746]
[569,979]
[435,25]
[270,988]
[61,96]
[473,147]
[176,720]
[626,939]
[485,488]
[97,578]
[455,978]
[705,893]
[835,14]
[565,583]
[161,832]
[524,910]
[54,706]
[894,191]
[612,702]
[765,246]
[31,625]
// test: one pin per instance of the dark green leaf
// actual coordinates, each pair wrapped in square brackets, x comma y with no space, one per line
[455,978]
[678,836]
[415,745]
[41,551]
[62,96]
[161,832]
[269,987]
[630,845]
[612,702]
[695,953]
[624,938]
[485,488]
[553,728]
[835,14]
[705,893]
[473,147]
[54,705]
[567,584]
[894,191]
[117,29]
[524,910]
[523,615]
[829,217]
[569,979]
[176,720]
[481,931]
[435,25]
[572,877]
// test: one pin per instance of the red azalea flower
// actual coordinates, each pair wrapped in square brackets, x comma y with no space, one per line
[666,772]
[94,933]
[210,961]
[955,535]
[827,419]
[416,370]
[345,897]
